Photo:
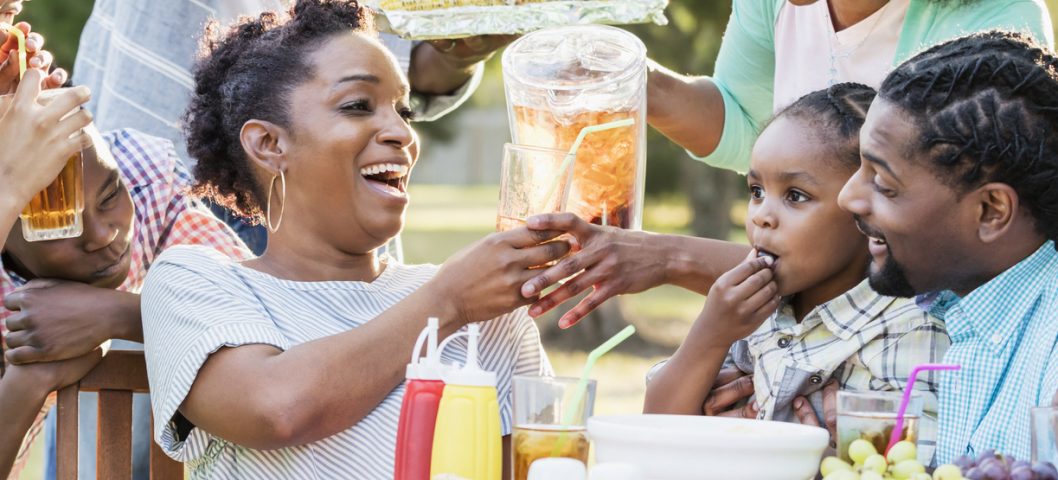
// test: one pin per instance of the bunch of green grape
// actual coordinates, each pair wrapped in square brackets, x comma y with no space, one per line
[900,464]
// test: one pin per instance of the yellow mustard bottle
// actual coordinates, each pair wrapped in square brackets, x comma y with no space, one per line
[467,442]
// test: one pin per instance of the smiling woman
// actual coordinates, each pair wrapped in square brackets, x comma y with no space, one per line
[291,129]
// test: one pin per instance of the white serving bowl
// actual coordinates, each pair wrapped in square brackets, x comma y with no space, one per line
[679,447]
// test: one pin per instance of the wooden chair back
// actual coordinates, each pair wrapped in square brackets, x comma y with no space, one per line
[120,374]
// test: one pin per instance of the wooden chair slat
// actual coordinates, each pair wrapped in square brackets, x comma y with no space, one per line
[114,435]
[119,370]
[163,467]
[66,434]
[115,378]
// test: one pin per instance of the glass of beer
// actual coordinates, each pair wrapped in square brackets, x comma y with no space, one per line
[542,405]
[533,180]
[55,212]
[872,417]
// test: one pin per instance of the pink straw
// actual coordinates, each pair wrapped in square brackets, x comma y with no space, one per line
[899,428]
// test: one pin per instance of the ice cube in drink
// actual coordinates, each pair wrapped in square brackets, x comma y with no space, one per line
[533,442]
[603,189]
[873,427]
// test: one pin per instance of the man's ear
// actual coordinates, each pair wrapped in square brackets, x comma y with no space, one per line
[998,206]
[265,144]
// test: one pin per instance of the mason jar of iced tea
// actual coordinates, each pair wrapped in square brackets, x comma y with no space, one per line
[558,82]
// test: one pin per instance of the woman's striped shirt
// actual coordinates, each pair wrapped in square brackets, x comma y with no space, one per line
[196,301]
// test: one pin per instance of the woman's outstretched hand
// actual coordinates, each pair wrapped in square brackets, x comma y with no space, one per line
[484,280]
[608,260]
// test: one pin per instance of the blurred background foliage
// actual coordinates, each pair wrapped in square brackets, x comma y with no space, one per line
[684,196]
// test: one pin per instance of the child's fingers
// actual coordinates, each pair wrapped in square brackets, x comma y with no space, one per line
[753,284]
[768,308]
[763,294]
[744,270]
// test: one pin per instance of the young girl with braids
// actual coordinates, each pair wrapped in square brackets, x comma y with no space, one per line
[799,309]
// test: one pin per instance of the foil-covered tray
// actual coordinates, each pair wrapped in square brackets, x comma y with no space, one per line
[437,19]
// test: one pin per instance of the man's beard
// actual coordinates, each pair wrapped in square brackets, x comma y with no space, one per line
[890,280]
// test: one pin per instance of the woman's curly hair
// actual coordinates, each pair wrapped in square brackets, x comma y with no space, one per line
[248,72]
[986,107]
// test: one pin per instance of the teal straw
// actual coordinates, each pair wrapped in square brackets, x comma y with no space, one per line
[582,386]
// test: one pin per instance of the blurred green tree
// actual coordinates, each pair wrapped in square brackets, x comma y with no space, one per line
[60,21]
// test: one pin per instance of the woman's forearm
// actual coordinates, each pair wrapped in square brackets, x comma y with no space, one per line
[20,405]
[687,110]
[695,263]
[316,389]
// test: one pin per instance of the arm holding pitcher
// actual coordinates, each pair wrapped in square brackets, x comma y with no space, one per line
[612,261]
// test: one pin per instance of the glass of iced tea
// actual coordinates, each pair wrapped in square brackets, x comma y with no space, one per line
[533,180]
[1045,434]
[541,407]
[872,417]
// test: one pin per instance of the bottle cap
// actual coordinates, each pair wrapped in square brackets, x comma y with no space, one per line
[471,373]
[617,471]
[428,367]
[557,469]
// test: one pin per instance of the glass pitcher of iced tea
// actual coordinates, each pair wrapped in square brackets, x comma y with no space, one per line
[559,81]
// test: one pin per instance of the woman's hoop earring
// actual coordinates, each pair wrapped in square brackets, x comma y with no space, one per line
[282,201]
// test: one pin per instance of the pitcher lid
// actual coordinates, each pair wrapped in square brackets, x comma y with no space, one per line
[574,57]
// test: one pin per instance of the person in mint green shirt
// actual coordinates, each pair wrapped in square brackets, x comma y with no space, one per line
[774,51]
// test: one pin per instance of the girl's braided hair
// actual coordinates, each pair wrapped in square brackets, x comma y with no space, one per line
[986,106]
[248,72]
[837,113]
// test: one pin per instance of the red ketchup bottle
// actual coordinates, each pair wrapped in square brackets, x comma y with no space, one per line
[418,413]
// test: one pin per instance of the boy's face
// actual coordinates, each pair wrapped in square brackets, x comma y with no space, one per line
[923,235]
[101,255]
[794,215]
